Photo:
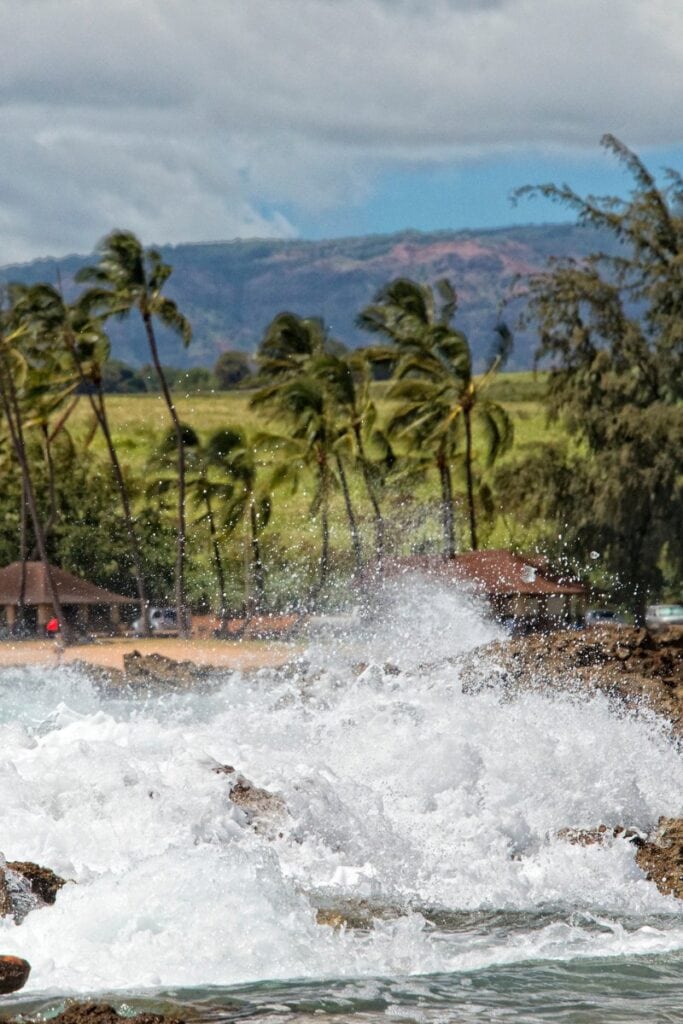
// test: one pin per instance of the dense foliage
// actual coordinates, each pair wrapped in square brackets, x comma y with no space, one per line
[611,330]
[334,471]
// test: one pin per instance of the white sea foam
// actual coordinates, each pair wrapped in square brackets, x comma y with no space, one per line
[401,790]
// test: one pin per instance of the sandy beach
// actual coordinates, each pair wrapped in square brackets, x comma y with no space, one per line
[238,654]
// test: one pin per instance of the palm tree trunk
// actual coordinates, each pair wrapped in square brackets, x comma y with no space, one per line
[257,575]
[470,483]
[12,412]
[324,522]
[181,534]
[217,562]
[47,448]
[446,505]
[376,511]
[98,406]
[23,556]
[351,515]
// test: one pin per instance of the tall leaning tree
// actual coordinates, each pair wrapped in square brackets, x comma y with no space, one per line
[440,403]
[73,329]
[129,277]
[14,386]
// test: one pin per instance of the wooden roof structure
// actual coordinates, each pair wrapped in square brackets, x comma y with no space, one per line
[70,589]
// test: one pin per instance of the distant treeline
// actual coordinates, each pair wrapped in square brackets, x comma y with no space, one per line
[231,370]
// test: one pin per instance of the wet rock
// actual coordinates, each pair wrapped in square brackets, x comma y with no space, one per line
[266,812]
[101,1013]
[101,676]
[6,908]
[25,886]
[14,973]
[45,884]
[599,835]
[156,670]
[638,667]
[359,914]
[661,857]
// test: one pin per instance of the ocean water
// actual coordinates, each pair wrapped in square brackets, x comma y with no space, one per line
[425,816]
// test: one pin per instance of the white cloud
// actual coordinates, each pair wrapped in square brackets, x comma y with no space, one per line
[190,119]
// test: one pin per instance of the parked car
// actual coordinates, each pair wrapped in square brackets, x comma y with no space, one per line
[160,620]
[604,617]
[659,616]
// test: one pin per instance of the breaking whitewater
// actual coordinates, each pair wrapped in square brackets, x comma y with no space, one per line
[354,835]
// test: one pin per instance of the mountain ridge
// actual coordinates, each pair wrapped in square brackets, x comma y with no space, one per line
[231,290]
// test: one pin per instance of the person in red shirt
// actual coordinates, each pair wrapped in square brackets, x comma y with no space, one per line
[52,626]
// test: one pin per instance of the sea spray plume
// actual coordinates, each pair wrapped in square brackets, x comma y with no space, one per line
[401,791]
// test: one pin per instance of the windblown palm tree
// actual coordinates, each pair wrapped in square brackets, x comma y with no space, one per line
[74,330]
[295,377]
[441,398]
[16,386]
[248,501]
[203,492]
[126,278]
[347,381]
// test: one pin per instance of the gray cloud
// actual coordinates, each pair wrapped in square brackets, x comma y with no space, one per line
[188,120]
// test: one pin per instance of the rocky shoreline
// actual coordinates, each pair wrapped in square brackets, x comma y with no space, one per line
[640,669]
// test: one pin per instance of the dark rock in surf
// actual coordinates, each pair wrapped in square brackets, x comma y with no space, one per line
[101,1013]
[45,884]
[156,671]
[266,812]
[661,857]
[14,973]
[101,676]
[25,886]
[600,835]
[637,667]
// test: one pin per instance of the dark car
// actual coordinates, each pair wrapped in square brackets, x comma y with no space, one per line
[604,617]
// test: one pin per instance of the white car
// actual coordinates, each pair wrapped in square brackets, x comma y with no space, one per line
[659,616]
[160,620]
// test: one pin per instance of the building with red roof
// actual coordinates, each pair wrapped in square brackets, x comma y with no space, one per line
[517,588]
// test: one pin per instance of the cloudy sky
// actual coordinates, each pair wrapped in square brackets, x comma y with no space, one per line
[194,120]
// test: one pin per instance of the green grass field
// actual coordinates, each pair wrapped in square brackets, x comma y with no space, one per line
[140,422]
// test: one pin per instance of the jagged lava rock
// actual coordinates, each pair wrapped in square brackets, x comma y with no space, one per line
[100,1013]
[631,663]
[156,670]
[45,884]
[24,886]
[265,811]
[661,857]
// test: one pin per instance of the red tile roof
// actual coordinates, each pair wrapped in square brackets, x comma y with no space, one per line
[497,573]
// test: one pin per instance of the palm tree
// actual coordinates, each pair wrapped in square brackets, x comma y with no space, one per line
[14,380]
[201,491]
[128,277]
[441,398]
[309,442]
[75,330]
[248,500]
[347,380]
[297,379]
